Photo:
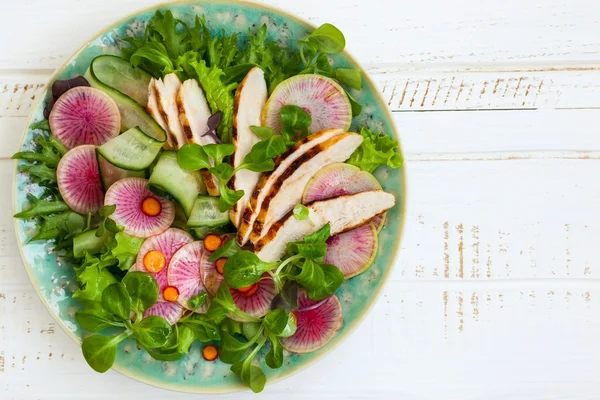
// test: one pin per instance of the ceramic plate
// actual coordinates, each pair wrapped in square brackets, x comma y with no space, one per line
[54,281]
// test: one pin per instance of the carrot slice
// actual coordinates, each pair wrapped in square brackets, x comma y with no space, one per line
[210,352]
[220,264]
[212,242]
[171,293]
[151,207]
[248,290]
[155,261]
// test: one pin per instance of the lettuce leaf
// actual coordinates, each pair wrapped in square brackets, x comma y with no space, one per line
[218,95]
[376,149]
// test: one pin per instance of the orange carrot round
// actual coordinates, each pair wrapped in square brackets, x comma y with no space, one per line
[210,352]
[212,242]
[248,290]
[220,264]
[154,261]
[151,207]
[171,294]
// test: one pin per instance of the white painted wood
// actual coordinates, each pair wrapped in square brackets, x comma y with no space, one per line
[496,294]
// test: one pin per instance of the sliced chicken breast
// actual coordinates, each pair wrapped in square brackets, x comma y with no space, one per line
[250,99]
[268,179]
[343,213]
[287,191]
[193,116]
[154,110]
[166,96]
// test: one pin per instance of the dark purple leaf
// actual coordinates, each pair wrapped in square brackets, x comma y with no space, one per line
[59,87]
[212,125]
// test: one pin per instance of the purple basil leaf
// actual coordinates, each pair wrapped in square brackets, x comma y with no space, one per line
[212,125]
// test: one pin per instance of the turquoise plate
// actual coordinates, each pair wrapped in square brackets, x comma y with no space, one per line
[54,281]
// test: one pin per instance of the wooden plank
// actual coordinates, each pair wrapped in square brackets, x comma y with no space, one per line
[459,135]
[408,90]
[431,342]
[381,32]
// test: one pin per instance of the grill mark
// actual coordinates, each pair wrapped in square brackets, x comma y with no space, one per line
[171,139]
[246,223]
[276,187]
[183,119]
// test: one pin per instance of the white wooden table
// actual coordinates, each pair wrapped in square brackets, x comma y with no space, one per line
[496,294]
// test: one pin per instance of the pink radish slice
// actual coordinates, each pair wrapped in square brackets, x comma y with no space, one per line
[321,97]
[338,180]
[128,195]
[172,312]
[353,252]
[79,180]
[316,325]
[259,303]
[167,243]
[84,115]
[208,270]
[184,273]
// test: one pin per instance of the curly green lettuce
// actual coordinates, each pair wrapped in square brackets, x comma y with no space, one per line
[376,149]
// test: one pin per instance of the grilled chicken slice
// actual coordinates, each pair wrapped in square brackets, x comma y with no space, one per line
[287,191]
[193,116]
[343,213]
[154,110]
[250,98]
[268,179]
[166,96]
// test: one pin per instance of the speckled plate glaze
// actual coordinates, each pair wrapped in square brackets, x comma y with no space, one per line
[54,281]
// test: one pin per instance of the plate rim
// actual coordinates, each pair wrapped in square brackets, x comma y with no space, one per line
[384,278]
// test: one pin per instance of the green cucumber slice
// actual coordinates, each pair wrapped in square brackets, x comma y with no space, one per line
[201,232]
[206,213]
[132,113]
[119,74]
[132,150]
[169,178]
[88,241]
[110,173]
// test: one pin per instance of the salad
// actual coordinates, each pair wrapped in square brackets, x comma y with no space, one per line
[207,188]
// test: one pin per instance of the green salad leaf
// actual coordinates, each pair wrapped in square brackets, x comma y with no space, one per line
[376,149]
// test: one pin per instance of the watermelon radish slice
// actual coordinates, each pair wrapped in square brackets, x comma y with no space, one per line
[208,270]
[338,180]
[84,115]
[353,252]
[139,211]
[321,97]
[184,273]
[167,243]
[79,180]
[316,321]
[257,300]
[172,312]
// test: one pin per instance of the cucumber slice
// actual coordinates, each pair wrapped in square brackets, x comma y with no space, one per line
[201,232]
[169,178]
[132,113]
[132,150]
[110,174]
[119,74]
[206,213]
[88,241]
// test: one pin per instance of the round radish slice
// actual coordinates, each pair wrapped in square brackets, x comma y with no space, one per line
[338,180]
[166,243]
[140,212]
[79,180]
[172,312]
[321,97]
[84,115]
[316,321]
[208,270]
[353,252]
[184,273]
[256,300]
